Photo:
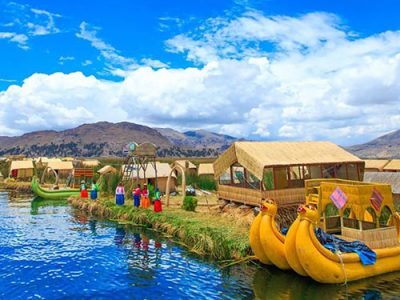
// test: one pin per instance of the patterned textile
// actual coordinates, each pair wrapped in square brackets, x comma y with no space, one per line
[338,198]
[376,199]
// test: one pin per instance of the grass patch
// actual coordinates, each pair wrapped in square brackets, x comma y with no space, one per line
[202,233]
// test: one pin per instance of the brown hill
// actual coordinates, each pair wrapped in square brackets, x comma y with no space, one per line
[109,139]
[386,146]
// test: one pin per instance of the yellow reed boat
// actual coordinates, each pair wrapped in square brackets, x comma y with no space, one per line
[366,214]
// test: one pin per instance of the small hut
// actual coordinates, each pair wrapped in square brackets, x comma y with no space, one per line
[90,163]
[61,167]
[249,171]
[1,177]
[392,166]
[206,170]
[107,169]
[163,171]
[392,178]
[188,166]
[375,165]
[21,169]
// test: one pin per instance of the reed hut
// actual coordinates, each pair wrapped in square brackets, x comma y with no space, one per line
[90,163]
[249,171]
[188,166]
[392,166]
[375,165]
[163,171]
[63,168]
[21,169]
[392,178]
[206,170]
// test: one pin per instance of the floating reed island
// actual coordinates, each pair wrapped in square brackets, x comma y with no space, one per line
[206,234]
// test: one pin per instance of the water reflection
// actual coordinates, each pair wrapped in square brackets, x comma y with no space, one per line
[38,203]
[272,283]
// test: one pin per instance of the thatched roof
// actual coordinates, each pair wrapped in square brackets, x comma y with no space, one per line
[91,163]
[254,156]
[205,169]
[46,160]
[183,164]
[377,164]
[163,170]
[60,165]
[392,178]
[394,165]
[107,169]
[21,164]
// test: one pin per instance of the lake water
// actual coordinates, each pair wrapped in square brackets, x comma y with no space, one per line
[50,251]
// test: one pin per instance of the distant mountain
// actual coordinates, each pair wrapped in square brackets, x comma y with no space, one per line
[197,139]
[386,146]
[109,139]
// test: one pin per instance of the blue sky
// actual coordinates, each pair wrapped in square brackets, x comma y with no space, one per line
[273,70]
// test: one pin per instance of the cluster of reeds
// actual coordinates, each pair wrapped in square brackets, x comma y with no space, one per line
[204,235]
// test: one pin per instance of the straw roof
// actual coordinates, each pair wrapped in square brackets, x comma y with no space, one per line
[91,163]
[68,159]
[377,164]
[46,160]
[254,156]
[392,178]
[107,169]
[163,170]
[205,169]
[182,163]
[394,165]
[60,165]
[21,164]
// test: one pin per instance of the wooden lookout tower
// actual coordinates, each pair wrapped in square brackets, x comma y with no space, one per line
[137,161]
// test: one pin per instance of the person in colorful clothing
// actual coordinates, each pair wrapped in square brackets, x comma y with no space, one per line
[84,192]
[157,201]
[145,201]
[93,191]
[136,196]
[120,194]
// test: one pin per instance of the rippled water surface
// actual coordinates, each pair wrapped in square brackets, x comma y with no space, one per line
[49,251]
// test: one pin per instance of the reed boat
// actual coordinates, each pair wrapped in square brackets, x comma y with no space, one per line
[325,266]
[272,240]
[255,241]
[352,211]
[50,194]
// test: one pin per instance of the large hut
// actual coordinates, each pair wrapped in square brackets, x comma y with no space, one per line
[21,169]
[375,165]
[392,166]
[249,171]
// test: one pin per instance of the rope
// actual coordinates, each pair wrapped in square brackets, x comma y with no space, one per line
[338,253]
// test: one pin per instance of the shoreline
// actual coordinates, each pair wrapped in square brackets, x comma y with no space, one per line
[206,234]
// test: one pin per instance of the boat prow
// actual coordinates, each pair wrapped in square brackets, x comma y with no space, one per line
[49,194]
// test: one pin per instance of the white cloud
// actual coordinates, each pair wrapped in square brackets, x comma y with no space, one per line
[259,76]
[19,39]
[45,22]
[108,52]
[63,59]
[87,62]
